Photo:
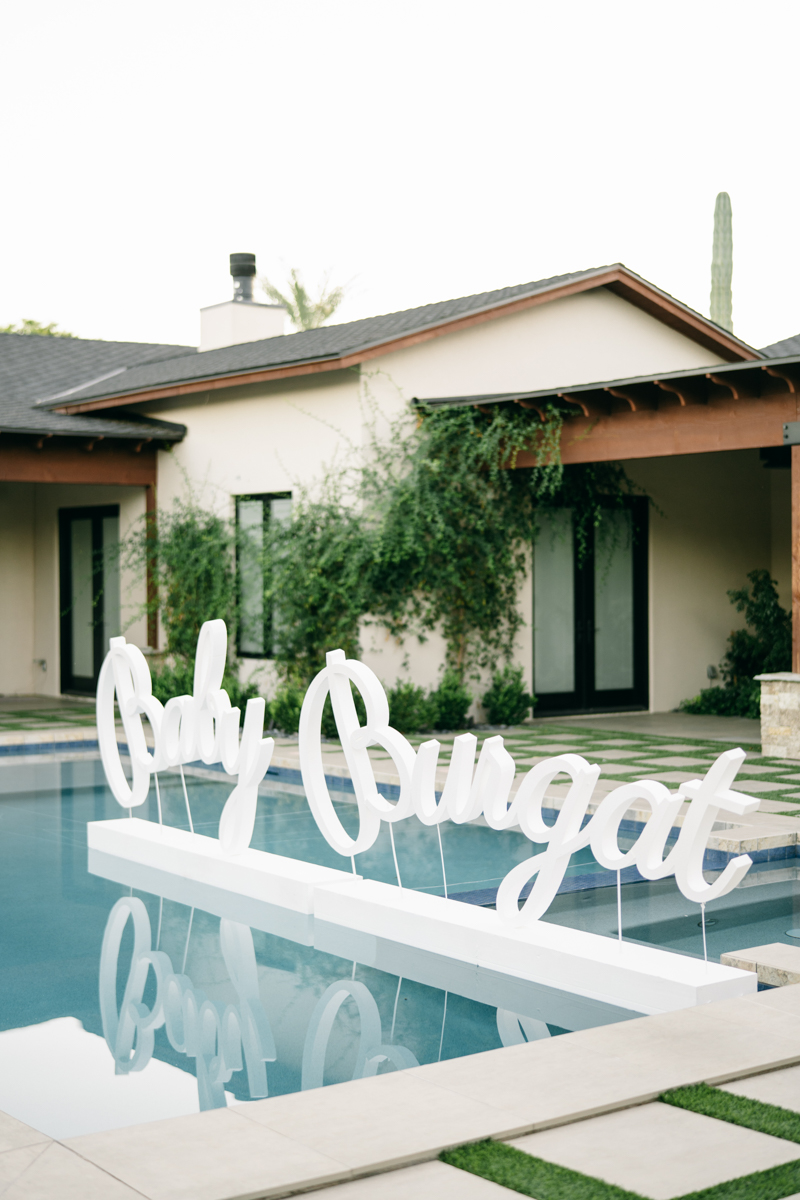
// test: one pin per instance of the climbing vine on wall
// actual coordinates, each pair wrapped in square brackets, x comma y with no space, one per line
[431,529]
[429,526]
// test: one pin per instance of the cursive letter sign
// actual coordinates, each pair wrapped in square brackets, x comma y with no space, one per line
[204,725]
[201,726]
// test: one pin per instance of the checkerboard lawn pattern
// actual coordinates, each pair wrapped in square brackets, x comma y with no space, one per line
[24,719]
[627,757]
[521,1172]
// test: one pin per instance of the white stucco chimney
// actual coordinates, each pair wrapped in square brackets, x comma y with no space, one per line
[241,319]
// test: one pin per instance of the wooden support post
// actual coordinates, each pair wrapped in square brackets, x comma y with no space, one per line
[796,559]
[152,591]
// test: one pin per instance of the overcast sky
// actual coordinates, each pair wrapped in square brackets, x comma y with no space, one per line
[422,150]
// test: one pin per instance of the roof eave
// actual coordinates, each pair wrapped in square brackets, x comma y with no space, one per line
[617,278]
[769,365]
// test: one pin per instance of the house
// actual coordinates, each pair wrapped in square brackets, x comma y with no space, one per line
[88,430]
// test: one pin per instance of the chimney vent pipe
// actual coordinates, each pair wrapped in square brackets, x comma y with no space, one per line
[243,269]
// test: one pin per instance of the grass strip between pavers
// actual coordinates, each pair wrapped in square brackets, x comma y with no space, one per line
[521,1172]
[738,1110]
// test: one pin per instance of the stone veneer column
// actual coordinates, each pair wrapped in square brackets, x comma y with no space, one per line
[780,714]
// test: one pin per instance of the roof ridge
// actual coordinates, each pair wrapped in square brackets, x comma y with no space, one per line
[309,350]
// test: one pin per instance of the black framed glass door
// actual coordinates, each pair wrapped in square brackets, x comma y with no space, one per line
[89,586]
[590,613]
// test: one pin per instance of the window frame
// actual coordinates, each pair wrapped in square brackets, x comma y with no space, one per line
[70,682]
[264,498]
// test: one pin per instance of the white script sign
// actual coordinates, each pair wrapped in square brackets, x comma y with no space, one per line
[204,727]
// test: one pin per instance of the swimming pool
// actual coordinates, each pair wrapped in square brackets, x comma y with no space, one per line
[246,1001]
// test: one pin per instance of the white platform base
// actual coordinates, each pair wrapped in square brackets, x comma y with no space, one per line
[286,882]
[642,978]
[209,898]
[497,989]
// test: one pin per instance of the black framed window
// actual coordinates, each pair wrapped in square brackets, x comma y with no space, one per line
[590,612]
[90,593]
[256,622]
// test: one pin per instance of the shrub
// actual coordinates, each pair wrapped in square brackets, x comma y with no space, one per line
[743,700]
[285,708]
[178,680]
[769,647]
[449,703]
[194,553]
[409,710]
[328,724]
[763,647]
[507,702]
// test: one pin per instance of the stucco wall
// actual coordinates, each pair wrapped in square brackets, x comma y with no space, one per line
[260,438]
[580,339]
[263,438]
[717,525]
[17,580]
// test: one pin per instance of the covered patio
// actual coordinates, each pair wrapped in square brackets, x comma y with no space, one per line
[711,449]
[67,495]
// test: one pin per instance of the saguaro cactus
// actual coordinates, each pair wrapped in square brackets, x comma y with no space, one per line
[722,264]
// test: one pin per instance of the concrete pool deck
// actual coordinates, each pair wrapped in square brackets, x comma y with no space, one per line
[379,1137]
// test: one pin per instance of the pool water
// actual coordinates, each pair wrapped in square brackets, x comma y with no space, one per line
[124,998]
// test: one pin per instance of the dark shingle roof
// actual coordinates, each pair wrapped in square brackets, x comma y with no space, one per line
[331,343]
[32,366]
[153,368]
[328,342]
[783,349]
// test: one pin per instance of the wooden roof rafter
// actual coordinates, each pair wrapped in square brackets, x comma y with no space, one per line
[637,401]
[588,406]
[785,376]
[687,397]
[537,408]
[742,386]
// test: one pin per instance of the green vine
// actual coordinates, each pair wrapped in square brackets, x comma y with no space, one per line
[191,555]
[429,527]
[432,529]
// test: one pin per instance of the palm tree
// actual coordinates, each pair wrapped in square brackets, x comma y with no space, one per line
[304,312]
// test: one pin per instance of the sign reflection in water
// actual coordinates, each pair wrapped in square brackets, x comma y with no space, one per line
[224,1038]
[216,1039]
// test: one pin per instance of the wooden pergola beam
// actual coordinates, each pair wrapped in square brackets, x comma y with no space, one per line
[722,424]
[61,460]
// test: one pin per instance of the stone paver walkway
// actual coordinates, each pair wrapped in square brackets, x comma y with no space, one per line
[659,1151]
[667,724]
[26,713]
[585,1097]
[623,758]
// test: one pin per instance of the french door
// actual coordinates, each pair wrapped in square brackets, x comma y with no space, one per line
[590,612]
[90,604]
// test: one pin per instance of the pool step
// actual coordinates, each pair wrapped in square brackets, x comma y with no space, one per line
[775,964]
